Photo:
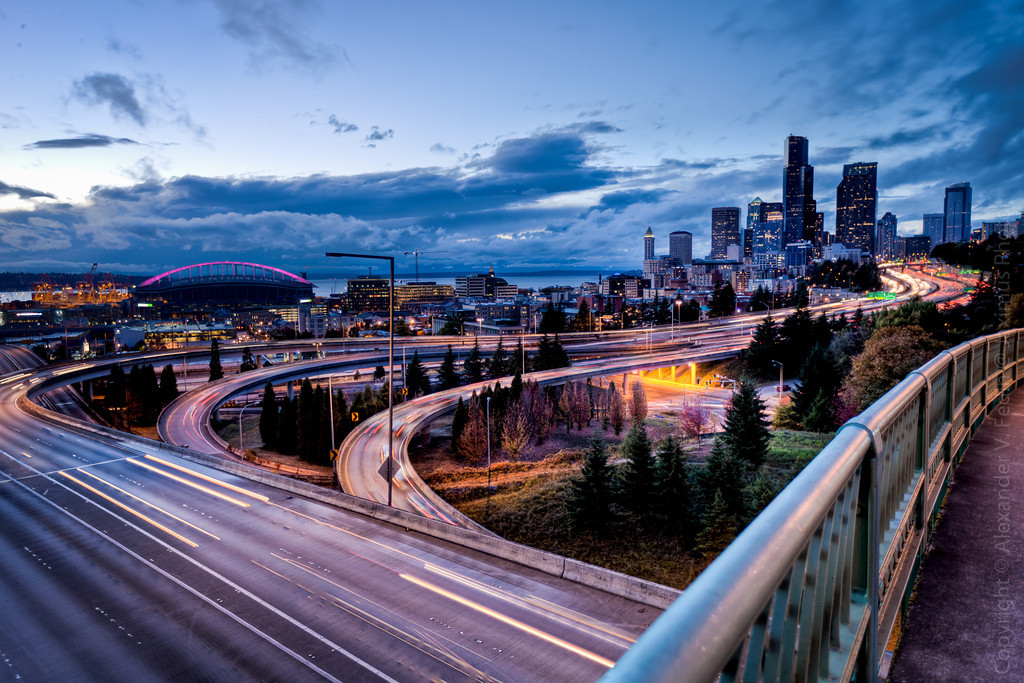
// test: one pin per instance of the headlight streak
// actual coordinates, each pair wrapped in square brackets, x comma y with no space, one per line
[440,653]
[146,502]
[186,482]
[526,628]
[232,487]
[124,507]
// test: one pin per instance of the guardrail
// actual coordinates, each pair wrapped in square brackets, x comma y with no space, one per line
[812,588]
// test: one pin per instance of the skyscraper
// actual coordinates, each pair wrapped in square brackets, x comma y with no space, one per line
[680,246]
[769,236]
[798,192]
[957,213]
[648,245]
[754,213]
[886,244]
[855,206]
[725,230]
[933,227]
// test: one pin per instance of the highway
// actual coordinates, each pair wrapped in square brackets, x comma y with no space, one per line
[122,563]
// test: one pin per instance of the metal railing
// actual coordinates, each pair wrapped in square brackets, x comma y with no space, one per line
[812,588]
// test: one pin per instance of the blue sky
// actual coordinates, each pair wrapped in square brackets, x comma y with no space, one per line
[147,135]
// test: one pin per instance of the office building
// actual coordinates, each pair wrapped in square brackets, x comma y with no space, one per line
[680,247]
[648,245]
[956,225]
[768,235]
[798,192]
[725,229]
[855,206]
[886,244]
[933,228]
[368,293]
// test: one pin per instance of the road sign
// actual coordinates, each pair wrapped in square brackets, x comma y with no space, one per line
[334,454]
[383,471]
[355,417]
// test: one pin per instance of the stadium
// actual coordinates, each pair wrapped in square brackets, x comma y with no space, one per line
[226,284]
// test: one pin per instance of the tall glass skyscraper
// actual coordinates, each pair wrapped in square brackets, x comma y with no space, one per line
[769,235]
[933,227]
[856,197]
[725,229]
[887,237]
[754,213]
[680,246]
[957,213]
[798,192]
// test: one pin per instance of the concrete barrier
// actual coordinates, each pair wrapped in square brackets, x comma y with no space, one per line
[640,590]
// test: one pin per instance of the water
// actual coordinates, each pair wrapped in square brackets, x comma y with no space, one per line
[7,297]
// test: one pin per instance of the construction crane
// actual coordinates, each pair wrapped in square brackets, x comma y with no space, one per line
[417,255]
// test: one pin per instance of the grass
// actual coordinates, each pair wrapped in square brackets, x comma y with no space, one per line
[795,449]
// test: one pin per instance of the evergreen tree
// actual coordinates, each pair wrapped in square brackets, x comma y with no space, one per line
[473,368]
[723,475]
[582,321]
[672,489]
[268,417]
[636,476]
[168,385]
[515,389]
[550,354]
[416,380]
[723,301]
[288,428]
[590,494]
[216,371]
[307,422]
[321,453]
[746,434]
[379,373]
[459,420]
[720,527]
[553,321]
[447,374]
[763,349]
[519,359]
[796,338]
[499,365]
[248,362]
[662,312]
[342,418]
[820,382]
[451,327]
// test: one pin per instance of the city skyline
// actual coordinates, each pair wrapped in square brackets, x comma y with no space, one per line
[148,137]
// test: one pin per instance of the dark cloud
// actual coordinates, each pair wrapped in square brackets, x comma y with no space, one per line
[90,140]
[679,164]
[442,149]
[908,136]
[377,133]
[539,154]
[620,200]
[114,90]
[23,192]
[341,126]
[595,127]
[269,34]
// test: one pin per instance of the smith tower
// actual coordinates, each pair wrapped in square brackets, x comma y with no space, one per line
[798,193]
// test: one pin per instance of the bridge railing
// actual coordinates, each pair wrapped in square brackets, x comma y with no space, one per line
[812,588]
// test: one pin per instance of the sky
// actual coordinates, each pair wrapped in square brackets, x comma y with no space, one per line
[152,134]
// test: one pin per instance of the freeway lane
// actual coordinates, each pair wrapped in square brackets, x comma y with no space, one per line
[120,566]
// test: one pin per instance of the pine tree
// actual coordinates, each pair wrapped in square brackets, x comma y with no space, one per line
[473,368]
[268,417]
[416,380]
[168,385]
[636,475]
[448,376]
[520,360]
[472,443]
[499,365]
[590,494]
[307,422]
[288,428]
[216,371]
[763,349]
[459,420]
[720,528]
[342,418]
[673,493]
[582,321]
[248,362]
[723,474]
[746,434]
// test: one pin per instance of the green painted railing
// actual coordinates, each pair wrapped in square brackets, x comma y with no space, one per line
[812,588]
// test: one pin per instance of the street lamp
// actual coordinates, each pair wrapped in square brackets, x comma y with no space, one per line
[488,455]
[391,351]
[675,314]
[780,379]
[241,442]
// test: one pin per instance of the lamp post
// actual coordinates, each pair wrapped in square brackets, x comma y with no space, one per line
[391,351]
[241,442]
[488,455]
[676,314]
[780,379]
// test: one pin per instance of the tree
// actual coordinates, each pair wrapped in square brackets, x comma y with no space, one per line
[763,349]
[889,355]
[541,412]
[248,362]
[268,417]
[519,358]
[636,476]
[638,403]
[288,428]
[695,418]
[472,443]
[672,489]
[723,301]
[459,420]
[473,367]
[616,409]
[553,321]
[216,371]
[416,380]
[590,494]
[516,430]
[796,337]
[720,528]
[168,385]
[582,321]
[550,354]
[499,365]
[309,435]
[723,474]
[379,373]
[745,433]
[447,375]
[820,382]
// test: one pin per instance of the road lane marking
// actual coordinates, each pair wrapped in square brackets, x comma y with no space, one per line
[124,507]
[146,502]
[186,482]
[232,487]
[514,623]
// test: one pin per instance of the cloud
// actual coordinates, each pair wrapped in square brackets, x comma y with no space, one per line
[82,141]
[442,149]
[23,192]
[539,154]
[625,198]
[908,136]
[377,133]
[269,34]
[115,91]
[122,48]
[341,126]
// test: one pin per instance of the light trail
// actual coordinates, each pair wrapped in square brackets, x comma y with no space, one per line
[232,487]
[186,482]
